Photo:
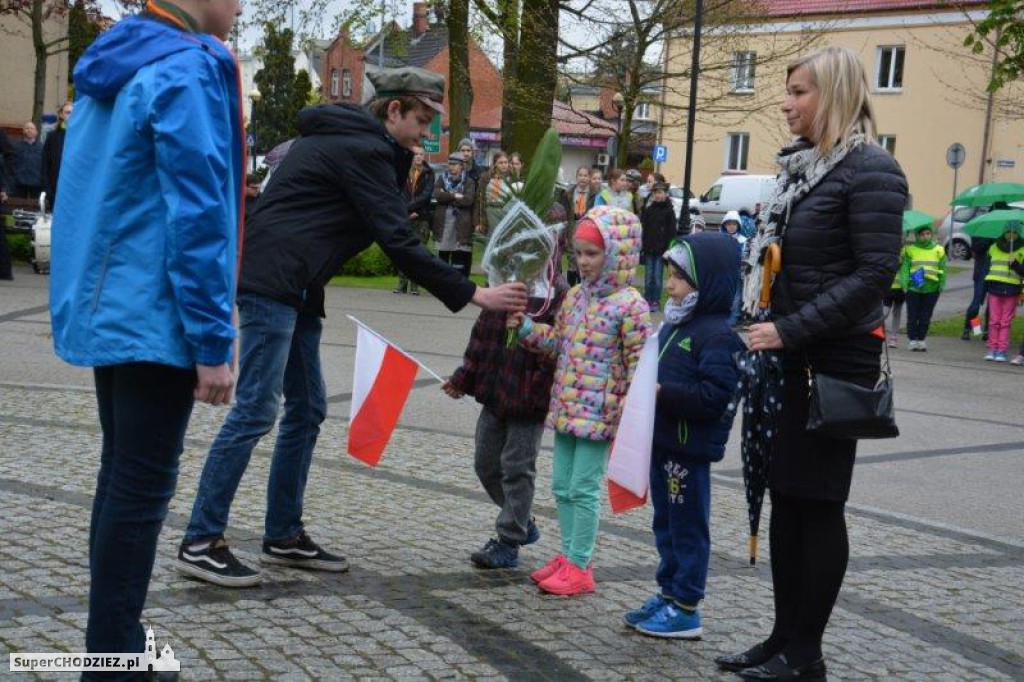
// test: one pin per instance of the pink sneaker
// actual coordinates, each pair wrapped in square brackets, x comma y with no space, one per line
[570,579]
[548,569]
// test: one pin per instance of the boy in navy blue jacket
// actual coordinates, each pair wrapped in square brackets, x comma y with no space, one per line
[696,379]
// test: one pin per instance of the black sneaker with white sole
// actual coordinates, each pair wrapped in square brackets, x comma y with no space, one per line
[301,552]
[215,564]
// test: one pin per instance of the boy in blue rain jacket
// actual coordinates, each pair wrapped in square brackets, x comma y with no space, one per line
[697,376]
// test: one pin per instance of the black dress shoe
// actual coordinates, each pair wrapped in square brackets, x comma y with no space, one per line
[778,669]
[755,655]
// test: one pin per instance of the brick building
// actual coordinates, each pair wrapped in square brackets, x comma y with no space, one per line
[425,45]
[341,71]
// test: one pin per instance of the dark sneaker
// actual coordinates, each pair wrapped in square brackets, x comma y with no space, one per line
[496,554]
[532,533]
[966,335]
[215,564]
[301,552]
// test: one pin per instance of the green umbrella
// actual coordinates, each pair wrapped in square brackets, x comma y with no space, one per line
[993,224]
[913,220]
[989,193]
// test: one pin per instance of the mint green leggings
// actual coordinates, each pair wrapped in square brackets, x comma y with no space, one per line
[577,471]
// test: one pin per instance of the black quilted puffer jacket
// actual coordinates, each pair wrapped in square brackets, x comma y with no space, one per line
[840,251]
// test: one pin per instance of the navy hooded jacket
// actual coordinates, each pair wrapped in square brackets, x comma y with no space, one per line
[696,367]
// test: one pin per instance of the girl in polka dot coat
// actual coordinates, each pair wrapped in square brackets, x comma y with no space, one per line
[597,338]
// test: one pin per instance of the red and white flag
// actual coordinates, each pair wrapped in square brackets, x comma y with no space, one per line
[381,383]
[629,465]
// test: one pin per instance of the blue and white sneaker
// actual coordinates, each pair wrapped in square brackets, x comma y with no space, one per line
[673,623]
[1000,356]
[649,608]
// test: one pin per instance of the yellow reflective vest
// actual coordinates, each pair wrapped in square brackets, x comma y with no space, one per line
[929,259]
[999,265]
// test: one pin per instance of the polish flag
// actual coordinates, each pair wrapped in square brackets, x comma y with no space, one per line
[381,383]
[629,465]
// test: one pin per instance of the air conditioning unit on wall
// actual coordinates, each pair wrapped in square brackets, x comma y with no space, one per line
[603,160]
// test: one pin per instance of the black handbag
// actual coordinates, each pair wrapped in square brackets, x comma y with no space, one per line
[843,409]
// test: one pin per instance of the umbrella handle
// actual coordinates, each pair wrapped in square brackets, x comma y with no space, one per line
[772,266]
[753,549]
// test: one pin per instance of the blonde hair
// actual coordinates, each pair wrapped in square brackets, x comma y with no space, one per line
[844,103]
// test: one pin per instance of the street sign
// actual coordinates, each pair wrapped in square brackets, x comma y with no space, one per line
[432,142]
[660,153]
[250,140]
[955,155]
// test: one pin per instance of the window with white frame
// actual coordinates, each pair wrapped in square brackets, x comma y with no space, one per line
[743,64]
[346,83]
[642,111]
[736,147]
[888,142]
[890,67]
[334,82]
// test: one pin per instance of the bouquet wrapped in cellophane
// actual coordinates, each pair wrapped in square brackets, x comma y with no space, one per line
[521,247]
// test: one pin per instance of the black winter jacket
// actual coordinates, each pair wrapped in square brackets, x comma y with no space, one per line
[335,193]
[659,226]
[840,251]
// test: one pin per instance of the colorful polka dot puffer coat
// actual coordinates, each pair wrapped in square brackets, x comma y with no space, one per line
[597,335]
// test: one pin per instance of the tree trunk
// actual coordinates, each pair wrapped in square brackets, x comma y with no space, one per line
[537,75]
[509,15]
[39,45]
[460,88]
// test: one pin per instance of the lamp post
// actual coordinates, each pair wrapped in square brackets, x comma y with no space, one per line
[254,97]
[618,103]
[691,117]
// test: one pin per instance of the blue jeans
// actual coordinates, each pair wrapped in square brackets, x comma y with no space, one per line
[144,411]
[977,298]
[654,277]
[280,354]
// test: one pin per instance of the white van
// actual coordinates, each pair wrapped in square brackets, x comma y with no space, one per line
[735,192]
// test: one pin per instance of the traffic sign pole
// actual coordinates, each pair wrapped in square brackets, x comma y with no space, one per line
[955,156]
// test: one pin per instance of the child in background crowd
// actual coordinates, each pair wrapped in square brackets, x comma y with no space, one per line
[892,304]
[597,338]
[923,277]
[696,380]
[659,226]
[1003,286]
[732,225]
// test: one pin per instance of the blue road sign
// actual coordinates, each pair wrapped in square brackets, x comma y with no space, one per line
[660,153]
[250,140]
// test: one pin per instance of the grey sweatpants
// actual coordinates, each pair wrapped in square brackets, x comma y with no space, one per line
[506,464]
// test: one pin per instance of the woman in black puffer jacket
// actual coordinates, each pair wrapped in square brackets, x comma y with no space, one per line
[837,215]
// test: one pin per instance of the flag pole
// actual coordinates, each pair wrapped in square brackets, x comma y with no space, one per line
[385,340]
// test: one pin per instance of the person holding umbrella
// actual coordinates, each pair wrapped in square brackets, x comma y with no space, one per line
[923,277]
[1003,286]
[837,215]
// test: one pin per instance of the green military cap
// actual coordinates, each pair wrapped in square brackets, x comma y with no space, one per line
[424,85]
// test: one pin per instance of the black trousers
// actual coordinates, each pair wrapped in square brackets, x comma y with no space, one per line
[919,314]
[460,260]
[6,264]
[809,551]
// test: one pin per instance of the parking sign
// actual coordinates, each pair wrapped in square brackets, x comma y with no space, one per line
[660,153]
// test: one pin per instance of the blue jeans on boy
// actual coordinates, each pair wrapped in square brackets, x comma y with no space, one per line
[654,277]
[144,410]
[280,353]
[681,496]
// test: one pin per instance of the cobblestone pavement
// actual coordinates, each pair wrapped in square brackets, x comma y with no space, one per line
[922,600]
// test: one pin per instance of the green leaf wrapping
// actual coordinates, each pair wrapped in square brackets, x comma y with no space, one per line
[539,191]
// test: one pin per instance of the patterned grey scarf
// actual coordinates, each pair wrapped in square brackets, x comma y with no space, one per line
[801,168]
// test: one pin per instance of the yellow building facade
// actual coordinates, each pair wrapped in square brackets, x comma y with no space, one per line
[928,91]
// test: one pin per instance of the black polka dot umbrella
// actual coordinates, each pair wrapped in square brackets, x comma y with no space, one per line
[760,392]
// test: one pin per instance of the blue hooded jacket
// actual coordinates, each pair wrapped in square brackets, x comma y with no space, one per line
[146,225]
[696,369]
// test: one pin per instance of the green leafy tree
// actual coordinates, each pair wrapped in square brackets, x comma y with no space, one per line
[1002,30]
[275,115]
[32,16]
